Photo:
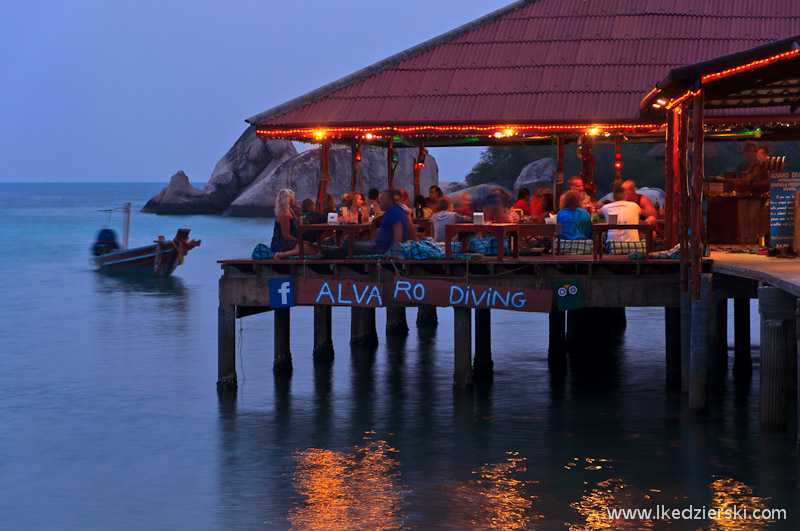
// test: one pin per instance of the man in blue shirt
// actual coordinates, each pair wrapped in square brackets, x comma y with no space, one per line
[392,230]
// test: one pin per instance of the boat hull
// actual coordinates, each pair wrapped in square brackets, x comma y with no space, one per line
[157,260]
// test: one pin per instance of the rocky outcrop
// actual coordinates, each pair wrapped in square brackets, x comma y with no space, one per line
[241,167]
[537,174]
[477,194]
[302,174]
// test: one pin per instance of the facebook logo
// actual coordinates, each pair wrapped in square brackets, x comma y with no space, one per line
[281,292]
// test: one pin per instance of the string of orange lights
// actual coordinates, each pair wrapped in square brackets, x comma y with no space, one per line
[496,131]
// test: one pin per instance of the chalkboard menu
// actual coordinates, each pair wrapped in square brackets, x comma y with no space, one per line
[782,188]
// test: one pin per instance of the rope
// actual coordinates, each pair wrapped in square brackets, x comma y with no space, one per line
[241,343]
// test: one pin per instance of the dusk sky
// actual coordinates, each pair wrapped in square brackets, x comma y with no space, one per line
[123,91]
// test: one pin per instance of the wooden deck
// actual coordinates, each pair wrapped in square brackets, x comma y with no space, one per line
[781,273]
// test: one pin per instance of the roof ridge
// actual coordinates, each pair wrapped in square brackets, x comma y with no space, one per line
[378,67]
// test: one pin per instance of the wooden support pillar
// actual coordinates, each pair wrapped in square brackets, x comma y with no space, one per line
[396,324]
[483,366]
[323,334]
[462,332]
[618,160]
[325,176]
[742,361]
[558,181]
[389,163]
[362,327]
[778,357]
[557,346]
[419,163]
[587,159]
[226,348]
[797,344]
[696,200]
[718,344]
[686,339]
[700,347]
[283,356]
[672,334]
[426,316]
[355,157]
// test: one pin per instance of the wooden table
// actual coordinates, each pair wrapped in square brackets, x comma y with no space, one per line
[546,230]
[599,228]
[349,229]
[498,230]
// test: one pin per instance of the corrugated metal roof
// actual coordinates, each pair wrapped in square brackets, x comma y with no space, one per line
[537,61]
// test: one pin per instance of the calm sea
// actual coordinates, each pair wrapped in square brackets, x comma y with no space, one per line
[111,420]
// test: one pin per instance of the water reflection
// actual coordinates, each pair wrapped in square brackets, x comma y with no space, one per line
[107,283]
[352,489]
[497,499]
[728,495]
[608,495]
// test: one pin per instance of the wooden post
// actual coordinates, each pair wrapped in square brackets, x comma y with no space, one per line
[426,316]
[355,157]
[325,176]
[617,159]
[283,356]
[462,331]
[558,179]
[683,165]
[686,339]
[557,345]
[587,159]
[226,348]
[672,333]
[670,181]
[396,324]
[323,334]
[778,356]
[742,361]
[483,366]
[362,327]
[389,163]
[797,347]
[718,344]
[419,163]
[700,348]
[697,192]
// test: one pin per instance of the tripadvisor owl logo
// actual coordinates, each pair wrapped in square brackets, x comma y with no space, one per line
[569,295]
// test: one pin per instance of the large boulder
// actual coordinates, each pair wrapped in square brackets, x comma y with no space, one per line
[537,174]
[302,174]
[477,193]
[250,158]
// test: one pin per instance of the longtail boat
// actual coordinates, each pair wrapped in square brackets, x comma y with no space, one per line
[158,259]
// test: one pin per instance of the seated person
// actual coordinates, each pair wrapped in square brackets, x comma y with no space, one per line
[574,220]
[522,201]
[495,207]
[648,211]
[445,215]
[309,216]
[627,212]
[434,195]
[355,203]
[463,205]
[421,209]
[285,232]
[372,202]
[394,228]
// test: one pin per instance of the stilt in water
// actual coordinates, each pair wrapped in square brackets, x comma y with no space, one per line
[718,345]
[462,331]
[426,316]
[742,360]
[226,348]
[686,339]
[700,348]
[778,357]
[557,348]
[362,327]
[323,332]
[672,333]
[396,321]
[483,367]
[283,356]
